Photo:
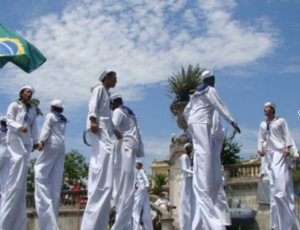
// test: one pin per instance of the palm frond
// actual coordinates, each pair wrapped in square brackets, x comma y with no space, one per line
[182,82]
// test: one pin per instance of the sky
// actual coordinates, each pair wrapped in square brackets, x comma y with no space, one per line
[252,45]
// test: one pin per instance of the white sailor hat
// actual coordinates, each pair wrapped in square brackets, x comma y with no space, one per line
[105,72]
[115,96]
[3,118]
[271,104]
[207,74]
[57,103]
[186,145]
[27,87]
[139,162]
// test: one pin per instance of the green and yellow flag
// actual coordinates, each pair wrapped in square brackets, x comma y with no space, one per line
[17,50]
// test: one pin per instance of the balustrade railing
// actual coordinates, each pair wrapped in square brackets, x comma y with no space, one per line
[242,170]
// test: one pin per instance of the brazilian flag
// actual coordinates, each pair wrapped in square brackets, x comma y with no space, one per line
[17,50]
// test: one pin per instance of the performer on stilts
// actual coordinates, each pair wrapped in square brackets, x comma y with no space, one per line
[22,139]
[141,200]
[275,133]
[100,128]
[199,114]
[126,151]
[49,167]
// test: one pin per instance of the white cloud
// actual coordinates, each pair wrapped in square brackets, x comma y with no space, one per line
[144,41]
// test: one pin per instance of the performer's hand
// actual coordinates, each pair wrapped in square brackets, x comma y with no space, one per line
[35,146]
[261,153]
[286,152]
[94,125]
[296,158]
[23,129]
[118,134]
[235,127]
[40,147]
[261,176]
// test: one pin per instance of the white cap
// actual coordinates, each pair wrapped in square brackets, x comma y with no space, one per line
[139,161]
[271,104]
[3,119]
[186,145]
[207,74]
[27,87]
[57,103]
[105,72]
[115,96]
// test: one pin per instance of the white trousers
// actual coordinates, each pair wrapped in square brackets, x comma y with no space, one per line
[123,187]
[4,173]
[283,210]
[206,179]
[13,211]
[48,171]
[221,204]
[96,215]
[186,212]
[142,202]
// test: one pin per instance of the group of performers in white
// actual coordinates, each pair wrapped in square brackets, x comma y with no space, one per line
[203,202]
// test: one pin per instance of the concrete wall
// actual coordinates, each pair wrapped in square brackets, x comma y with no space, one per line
[69,219]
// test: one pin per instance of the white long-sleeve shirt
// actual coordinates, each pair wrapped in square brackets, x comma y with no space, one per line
[142,179]
[217,130]
[53,130]
[17,116]
[201,107]
[99,108]
[185,166]
[278,137]
[127,125]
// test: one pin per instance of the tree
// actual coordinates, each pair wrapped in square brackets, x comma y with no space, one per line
[75,167]
[35,103]
[30,176]
[183,82]
[230,150]
[159,181]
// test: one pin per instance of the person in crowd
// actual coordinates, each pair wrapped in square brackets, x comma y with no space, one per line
[100,128]
[22,138]
[186,207]
[141,200]
[126,151]
[49,167]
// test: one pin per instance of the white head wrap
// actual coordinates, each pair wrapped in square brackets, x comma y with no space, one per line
[186,145]
[3,119]
[105,72]
[27,87]
[115,96]
[139,162]
[207,74]
[57,103]
[271,104]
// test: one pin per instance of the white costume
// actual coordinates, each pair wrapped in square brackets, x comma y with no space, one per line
[48,171]
[199,114]
[186,194]
[127,149]
[218,136]
[96,215]
[4,162]
[13,211]
[282,210]
[161,201]
[142,202]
